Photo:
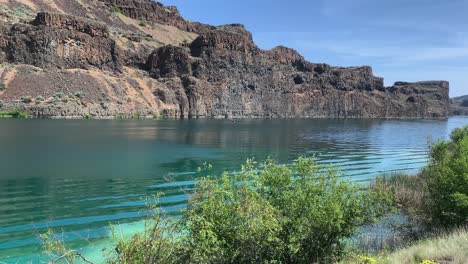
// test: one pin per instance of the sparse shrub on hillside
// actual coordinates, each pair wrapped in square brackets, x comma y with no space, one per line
[116,10]
[26,99]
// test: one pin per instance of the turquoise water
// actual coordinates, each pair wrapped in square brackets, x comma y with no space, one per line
[77,176]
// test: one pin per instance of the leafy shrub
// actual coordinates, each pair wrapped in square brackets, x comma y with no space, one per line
[14,114]
[271,212]
[447,180]
[267,213]
[116,10]
[158,243]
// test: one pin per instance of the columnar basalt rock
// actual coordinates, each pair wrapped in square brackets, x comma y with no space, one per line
[60,41]
[459,106]
[60,21]
[244,81]
[204,72]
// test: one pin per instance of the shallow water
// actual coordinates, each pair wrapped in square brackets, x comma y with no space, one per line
[77,176]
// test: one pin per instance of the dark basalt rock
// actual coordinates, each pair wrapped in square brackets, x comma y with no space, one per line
[156,12]
[60,41]
[459,106]
[169,61]
[231,77]
[221,73]
[60,21]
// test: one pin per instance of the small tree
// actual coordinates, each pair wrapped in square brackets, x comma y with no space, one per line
[447,178]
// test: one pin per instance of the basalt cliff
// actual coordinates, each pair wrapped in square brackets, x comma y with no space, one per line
[104,58]
[459,106]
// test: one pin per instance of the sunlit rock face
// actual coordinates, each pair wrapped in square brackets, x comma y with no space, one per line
[139,57]
[60,41]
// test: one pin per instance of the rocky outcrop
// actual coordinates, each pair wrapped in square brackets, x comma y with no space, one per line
[59,21]
[422,99]
[60,41]
[149,10]
[224,74]
[459,106]
[205,72]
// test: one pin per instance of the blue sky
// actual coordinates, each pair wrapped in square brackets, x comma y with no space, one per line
[403,40]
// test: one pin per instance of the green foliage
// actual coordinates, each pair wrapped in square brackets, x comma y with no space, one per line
[158,243]
[55,248]
[410,194]
[275,213]
[267,213]
[142,24]
[14,114]
[447,180]
[116,10]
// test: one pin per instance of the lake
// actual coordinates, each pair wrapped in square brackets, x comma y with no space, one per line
[78,176]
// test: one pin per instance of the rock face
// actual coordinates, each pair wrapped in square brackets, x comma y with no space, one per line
[206,72]
[223,74]
[149,10]
[59,41]
[459,106]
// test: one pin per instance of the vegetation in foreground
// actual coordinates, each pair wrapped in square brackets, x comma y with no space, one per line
[443,248]
[267,213]
[438,197]
[304,213]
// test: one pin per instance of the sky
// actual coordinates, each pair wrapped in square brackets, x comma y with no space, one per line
[403,40]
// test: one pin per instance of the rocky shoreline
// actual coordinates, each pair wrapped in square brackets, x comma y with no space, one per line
[114,58]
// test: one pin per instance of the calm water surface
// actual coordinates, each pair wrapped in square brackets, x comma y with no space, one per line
[77,176]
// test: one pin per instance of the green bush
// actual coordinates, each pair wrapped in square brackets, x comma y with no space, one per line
[267,213]
[14,114]
[116,10]
[158,243]
[275,213]
[447,180]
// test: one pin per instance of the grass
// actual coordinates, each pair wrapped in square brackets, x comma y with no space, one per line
[451,248]
[14,114]
[445,248]
[410,193]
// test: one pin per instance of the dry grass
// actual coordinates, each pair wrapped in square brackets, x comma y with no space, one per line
[163,34]
[410,193]
[452,248]
[449,248]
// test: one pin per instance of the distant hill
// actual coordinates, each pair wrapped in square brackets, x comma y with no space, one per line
[459,105]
